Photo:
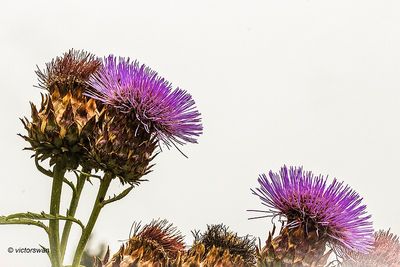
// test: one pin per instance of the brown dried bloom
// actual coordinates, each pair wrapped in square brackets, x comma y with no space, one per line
[59,129]
[386,253]
[156,244]
[218,246]
[68,73]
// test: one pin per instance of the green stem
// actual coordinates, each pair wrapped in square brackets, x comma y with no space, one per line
[81,179]
[98,205]
[54,239]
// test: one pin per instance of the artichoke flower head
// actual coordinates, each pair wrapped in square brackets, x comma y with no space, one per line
[143,110]
[218,246]
[316,216]
[59,129]
[156,244]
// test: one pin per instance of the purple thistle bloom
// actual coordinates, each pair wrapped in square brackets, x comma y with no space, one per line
[136,89]
[304,199]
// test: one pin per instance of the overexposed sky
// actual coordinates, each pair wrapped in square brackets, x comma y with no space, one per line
[302,82]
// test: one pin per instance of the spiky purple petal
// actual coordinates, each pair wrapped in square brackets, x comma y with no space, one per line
[137,90]
[335,208]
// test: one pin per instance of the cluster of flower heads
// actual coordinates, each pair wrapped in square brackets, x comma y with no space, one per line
[108,114]
[160,244]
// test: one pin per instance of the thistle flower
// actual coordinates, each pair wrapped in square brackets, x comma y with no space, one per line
[218,246]
[141,109]
[156,244]
[143,96]
[386,252]
[316,215]
[59,129]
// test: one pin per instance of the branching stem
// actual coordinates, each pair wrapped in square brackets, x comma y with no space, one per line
[98,205]
[81,179]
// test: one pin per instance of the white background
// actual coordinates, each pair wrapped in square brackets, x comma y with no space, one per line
[312,83]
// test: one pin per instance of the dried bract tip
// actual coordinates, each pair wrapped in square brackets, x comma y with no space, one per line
[72,70]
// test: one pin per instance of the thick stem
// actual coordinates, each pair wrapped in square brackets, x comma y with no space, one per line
[54,239]
[98,205]
[72,210]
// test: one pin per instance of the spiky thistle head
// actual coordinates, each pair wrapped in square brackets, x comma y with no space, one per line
[69,72]
[120,148]
[162,233]
[386,252]
[142,95]
[333,211]
[218,246]
[158,243]
[59,129]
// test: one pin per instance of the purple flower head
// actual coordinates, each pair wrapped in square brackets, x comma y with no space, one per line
[335,210]
[137,90]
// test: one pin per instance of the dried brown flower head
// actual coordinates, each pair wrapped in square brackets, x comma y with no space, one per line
[156,244]
[69,72]
[59,129]
[218,246]
[386,253]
